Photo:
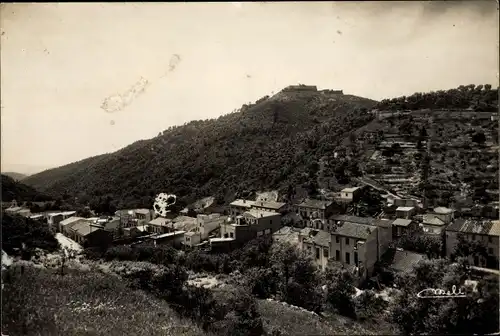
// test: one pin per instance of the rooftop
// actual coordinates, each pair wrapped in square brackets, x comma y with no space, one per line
[432,220]
[405,260]
[351,189]
[83,228]
[317,237]
[68,213]
[142,211]
[215,240]
[472,226]
[243,203]
[495,228]
[70,220]
[287,234]
[353,219]
[443,210]
[404,208]
[269,205]
[355,230]
[13,209]
[160,221]
[169,234]
[315,204]
[258,214]
[402,222]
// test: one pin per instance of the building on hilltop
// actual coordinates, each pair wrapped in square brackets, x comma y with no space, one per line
[301,87]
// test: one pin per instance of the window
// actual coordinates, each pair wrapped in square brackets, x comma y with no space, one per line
[356,258]
[347,241]
[271,222]
[225,235]
[473,237]
[325,253]
[188,239]
[317,253]
[337,239]
[337,255]
[490,239]
[490,251]
[231,234]
[347,258]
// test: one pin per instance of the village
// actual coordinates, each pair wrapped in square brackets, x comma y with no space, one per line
[323,228]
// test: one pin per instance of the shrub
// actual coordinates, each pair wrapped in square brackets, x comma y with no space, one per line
[368,305]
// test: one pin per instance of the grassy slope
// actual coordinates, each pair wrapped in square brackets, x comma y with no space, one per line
[43,303]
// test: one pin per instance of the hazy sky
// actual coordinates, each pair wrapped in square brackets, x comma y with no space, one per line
[59,62]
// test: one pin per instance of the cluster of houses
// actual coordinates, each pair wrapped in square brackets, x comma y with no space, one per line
[353,242]
[357,243]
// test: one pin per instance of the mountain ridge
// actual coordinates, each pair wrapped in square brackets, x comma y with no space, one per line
[220,156]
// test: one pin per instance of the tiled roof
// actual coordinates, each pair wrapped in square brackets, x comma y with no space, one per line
[315,204]
[402,222]
[242,203]
[318,237]
[269,205]
[471,226]
[405,260]
[432,220]
[83,228]
[352,219]
[495,228]
[355,230]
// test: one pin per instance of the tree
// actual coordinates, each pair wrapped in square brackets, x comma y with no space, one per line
[340,289]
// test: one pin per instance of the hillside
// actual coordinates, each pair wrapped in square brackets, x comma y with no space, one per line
[270,144]
[15,176]
[15,190]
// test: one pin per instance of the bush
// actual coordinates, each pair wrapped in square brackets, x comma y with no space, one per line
[340,289]
[17,230]
[368,305]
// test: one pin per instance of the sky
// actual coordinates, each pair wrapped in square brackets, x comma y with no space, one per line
[79,80]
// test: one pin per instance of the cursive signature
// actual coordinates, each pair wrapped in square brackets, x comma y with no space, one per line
[437,293]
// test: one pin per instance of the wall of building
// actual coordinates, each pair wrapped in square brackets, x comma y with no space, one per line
[319,254]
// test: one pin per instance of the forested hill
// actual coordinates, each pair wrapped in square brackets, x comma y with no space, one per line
[481,98]
[15,190]
[15,176]
[272,143]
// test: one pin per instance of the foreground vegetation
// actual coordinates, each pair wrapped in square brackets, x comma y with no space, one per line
[42,302]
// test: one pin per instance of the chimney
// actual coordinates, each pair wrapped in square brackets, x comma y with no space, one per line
[243,201]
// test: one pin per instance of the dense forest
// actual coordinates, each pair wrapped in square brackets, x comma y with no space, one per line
[292,141]
[481,98]
[274,143]
[15,190]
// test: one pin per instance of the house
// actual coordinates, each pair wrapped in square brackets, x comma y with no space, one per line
[405,202]
[385,228]
[405,212]
[67,223]
[13,210]
[174,238]
[314,209]
[54,218]
[134,217]
[184,223]
[445,214]
[432,225]
[404,261]
[160,225]
[205,224]
[402,227]
[110,224]
[355,246]
[287,234]
[317,244]
[349,195]
[485,231]
[239,206]
[87,235]
[39,217]
[249,225]
[269,206]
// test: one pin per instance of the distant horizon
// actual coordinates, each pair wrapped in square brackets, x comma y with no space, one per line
[147,67]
